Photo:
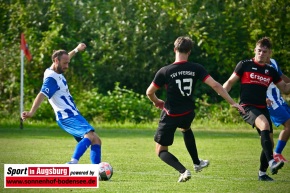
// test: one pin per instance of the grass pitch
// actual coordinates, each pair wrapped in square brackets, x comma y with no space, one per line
[233,154]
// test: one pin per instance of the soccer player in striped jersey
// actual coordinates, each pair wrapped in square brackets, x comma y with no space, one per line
[68,117]
[279,112]
[179,79]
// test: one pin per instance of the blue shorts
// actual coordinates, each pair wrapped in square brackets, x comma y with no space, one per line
[280,115]
[77,126]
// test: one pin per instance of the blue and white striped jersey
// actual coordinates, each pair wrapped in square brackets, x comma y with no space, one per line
[55,88]
[273,93]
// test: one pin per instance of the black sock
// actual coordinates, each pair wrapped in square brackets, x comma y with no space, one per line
[171,160]
[189,141]
[266,144]
[263,162]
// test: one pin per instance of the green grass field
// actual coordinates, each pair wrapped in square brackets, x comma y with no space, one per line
[234,156]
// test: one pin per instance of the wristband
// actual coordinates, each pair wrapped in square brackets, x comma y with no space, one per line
[76,50]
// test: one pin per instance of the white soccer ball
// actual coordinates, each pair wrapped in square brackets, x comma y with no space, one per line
[105,171]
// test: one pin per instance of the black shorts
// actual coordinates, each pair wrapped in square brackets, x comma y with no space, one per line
[252,113]
[168,125]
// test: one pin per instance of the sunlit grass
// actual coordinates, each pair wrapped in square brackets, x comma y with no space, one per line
[233,152]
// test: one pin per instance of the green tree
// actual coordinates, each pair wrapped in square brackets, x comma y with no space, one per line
[128,41]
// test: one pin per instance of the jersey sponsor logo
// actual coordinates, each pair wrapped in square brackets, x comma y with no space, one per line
[260,77]
[256,78]
[254,68]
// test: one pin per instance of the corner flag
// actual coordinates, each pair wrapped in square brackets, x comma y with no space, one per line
[24,47]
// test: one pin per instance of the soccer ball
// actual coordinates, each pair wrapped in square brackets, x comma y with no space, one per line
[105,171]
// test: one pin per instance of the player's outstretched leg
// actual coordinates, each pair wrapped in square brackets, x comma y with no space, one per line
[80,150]
[171,160]
[189,141]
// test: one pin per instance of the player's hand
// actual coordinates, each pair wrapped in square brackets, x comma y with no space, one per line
[25,115]
[239,107]
[269,102]
[81,47]
[159,104]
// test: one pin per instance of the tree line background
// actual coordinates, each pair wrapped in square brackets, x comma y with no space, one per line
[128,41]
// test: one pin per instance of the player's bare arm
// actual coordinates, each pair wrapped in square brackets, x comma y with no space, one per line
[150,92]
[269,102]
[79,48]
[230,82]
[223,93]
[285,78]
[36,103]
[284,87]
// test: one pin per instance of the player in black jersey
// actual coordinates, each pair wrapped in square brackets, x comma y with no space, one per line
[255,76]
[180,78]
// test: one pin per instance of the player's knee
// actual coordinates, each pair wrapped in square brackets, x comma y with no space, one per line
[96,139]
[287,129]
[264,126]
[184,130]
[92,137]
[159,148]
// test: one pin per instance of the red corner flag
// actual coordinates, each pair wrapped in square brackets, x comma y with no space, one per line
[24,47]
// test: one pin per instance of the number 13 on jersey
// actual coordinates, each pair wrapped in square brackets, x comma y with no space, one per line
[185,86]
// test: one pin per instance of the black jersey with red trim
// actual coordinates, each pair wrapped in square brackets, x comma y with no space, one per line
[255,79]
[179,80]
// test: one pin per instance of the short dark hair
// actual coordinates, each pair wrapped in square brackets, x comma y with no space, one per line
[57,54]
[183,44]
[264,42]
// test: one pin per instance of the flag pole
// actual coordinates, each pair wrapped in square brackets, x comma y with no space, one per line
[24,51]
[21,86]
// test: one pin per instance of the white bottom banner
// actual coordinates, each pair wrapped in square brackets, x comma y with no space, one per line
[51,175]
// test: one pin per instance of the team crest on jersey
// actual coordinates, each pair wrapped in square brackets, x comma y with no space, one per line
[267,71]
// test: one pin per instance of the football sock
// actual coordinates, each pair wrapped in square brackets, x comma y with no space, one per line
[81,148]
[189,141]
[266,144]
[171,160]
[280,146]
[263,162]
[262,173]
[95,154]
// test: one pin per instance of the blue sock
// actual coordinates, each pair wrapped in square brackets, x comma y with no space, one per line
[280,146]
[95,154]
[81,148]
